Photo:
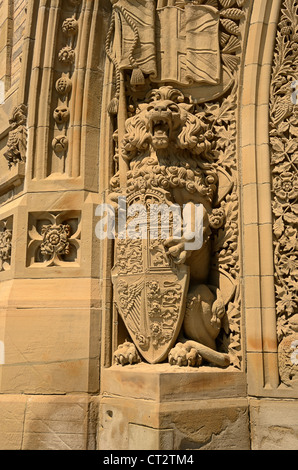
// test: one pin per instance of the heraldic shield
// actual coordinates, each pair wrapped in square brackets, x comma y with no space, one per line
[149,289]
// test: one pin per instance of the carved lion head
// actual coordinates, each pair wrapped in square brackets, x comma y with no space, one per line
[164,120]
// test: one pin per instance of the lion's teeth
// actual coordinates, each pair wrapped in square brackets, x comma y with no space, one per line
[161,127]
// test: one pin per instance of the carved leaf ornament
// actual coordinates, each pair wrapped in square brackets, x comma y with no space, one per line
[284,160]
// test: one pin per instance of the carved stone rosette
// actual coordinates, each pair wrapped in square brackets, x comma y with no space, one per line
[5,244]
[284,151]
[66,57]
[54,239]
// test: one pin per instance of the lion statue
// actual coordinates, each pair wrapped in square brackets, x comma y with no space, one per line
[167,146]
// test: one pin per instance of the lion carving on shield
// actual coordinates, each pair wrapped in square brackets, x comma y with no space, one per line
[168,149]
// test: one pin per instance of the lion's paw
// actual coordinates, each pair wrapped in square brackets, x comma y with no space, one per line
[126,354]
[182,355]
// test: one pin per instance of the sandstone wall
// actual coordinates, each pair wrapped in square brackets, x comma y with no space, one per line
[59,327]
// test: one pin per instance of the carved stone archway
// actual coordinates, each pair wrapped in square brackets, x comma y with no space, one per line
[257,185]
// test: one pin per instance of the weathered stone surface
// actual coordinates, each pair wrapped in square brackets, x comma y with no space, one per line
[47,422]
[205,424]
[274,424]
[12,417]
[172,404]
[41,358]
[169,147]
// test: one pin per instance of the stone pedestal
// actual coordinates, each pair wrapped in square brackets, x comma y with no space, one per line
[164,407]
[47,422]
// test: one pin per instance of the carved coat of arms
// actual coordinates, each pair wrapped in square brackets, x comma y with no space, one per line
[150,291]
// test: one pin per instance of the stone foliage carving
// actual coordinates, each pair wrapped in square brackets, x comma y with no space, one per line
[63,85]
[5,244]
[70,27]
[17,138]
[288,357]
[284,151]
[54,239]
[179,147]
[66,56]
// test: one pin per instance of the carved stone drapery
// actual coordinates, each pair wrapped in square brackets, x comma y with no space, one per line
[203,53]
[284,151]
[178,136]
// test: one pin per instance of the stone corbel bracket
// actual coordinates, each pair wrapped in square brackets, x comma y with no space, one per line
[5,243]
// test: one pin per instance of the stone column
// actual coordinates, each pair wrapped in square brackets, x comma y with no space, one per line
[269,220]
